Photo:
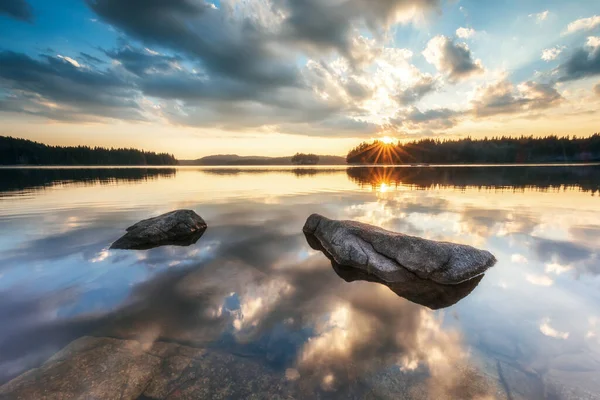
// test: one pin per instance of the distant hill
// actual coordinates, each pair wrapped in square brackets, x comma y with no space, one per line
[234,159]
[15,151]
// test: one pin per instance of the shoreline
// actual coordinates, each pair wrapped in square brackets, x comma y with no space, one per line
[308,167]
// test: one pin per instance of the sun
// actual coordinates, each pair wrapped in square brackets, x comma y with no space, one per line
[387,140]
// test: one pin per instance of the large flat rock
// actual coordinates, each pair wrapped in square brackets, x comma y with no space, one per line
[396,257]
[179,228]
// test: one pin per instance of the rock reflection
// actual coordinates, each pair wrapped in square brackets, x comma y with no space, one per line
[421,291]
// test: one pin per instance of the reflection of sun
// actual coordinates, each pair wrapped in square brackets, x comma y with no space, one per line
[387,140]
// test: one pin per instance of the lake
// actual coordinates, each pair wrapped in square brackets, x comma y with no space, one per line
[252,309]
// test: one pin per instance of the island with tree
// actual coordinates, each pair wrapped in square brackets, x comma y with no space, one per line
[15,151]
[499,150]
[305,159]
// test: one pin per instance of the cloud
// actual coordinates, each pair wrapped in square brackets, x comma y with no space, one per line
[330,25]
[70,61]
[18,9]
[90,59]
[540,17]
[593,42]
[143,61]
[597,89]
[583,63]
[236,66]
[465,33]
[583,24]
[557,268]
[551,53]
[547,330]
[505,98]
[440,118]
[427,84]
[539,280]
[453,59]
[236,49]
[518,259]
[58,88]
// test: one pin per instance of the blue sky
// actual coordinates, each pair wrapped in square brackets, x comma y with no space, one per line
[276,76]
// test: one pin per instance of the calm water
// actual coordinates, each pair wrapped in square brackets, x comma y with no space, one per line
[252,287]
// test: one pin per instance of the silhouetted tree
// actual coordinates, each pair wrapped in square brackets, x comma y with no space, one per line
[15,151]
[498,150]
[305,159]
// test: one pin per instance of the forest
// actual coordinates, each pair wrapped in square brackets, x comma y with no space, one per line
[498,150]
[15,151]
[305,159]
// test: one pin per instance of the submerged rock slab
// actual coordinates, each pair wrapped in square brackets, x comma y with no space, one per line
[396,257]
[110,368]
[179,228]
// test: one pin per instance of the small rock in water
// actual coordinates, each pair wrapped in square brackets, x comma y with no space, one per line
[179,228]
[396,257]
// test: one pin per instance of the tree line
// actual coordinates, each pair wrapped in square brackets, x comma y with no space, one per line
[497,150]
[15,151]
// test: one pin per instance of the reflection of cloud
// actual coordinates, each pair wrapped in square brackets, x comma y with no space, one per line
[547,330]
[518,259]
[557,268]
[99,257]
[540,280]
[563,255]
[593,323]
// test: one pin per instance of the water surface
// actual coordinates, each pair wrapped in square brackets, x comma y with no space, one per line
[252,286]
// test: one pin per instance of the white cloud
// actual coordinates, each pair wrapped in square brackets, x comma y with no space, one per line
[539,17]
[465,33]
[547,330]
[593,41]
[70,60]
[551,53]
[539,280]
[557,268]
[583,24]
[518,258]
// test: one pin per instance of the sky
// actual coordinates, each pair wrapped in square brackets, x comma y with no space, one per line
[276,77]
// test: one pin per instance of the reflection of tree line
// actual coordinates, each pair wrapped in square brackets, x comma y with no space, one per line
[27,179]
[299,172]
[586,178]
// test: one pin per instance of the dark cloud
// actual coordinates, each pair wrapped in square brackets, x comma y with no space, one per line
[424,86]
[143,62]
[439,118]
[453,59]
[239,50]
[330,25]
[18,9]
[90,59]
[60,89]
[504,98]
[583,63]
